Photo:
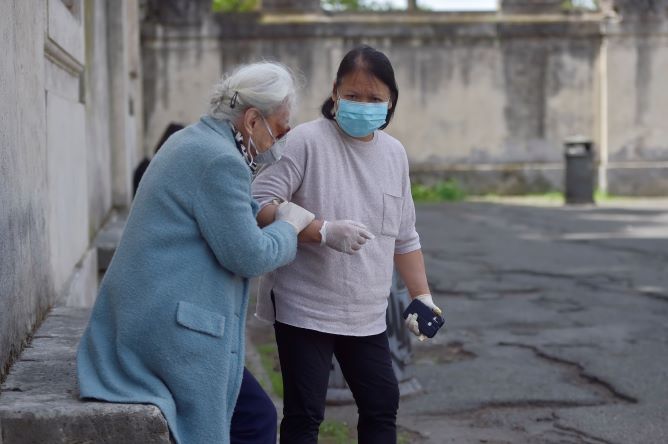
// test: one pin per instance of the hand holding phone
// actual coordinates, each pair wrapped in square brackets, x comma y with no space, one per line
[422,320]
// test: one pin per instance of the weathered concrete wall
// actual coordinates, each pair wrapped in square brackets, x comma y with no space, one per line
[291,5]
[491,94]
[637,55]
[532,6]
[26,284]
[486,98]
[55,152]
[67,178]
[98,159]
[125,96]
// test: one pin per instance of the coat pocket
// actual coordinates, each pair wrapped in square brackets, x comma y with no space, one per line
[392,205]
[199,319]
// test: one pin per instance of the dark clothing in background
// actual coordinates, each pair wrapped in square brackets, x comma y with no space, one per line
[254,420]
[141,168]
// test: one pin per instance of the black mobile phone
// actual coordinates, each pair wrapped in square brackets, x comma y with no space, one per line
[428,322]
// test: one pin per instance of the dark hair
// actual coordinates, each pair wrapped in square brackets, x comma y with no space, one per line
[171,129]
[143,165]
[375,62]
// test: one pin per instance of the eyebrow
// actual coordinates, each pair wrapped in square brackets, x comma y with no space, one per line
[374,95]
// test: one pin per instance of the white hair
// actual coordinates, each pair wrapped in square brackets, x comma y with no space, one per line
[264,85]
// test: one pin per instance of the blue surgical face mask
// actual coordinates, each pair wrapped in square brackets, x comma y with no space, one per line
[275,151]
[359,119]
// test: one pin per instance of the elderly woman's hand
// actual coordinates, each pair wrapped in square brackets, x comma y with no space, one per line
[295,215]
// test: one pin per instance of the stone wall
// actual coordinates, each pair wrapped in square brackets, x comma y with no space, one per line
[487,98]
[637,61]
[26,283]
[57,151]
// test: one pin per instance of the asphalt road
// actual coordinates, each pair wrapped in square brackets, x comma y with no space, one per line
[557,326]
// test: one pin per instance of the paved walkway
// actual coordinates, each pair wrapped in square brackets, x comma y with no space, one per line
[557,333]
[557,326]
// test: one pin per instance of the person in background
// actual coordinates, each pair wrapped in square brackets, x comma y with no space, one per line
[168,324]
[143,165]
[342,166]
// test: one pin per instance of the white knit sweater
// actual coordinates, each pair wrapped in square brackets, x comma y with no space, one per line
[338,177]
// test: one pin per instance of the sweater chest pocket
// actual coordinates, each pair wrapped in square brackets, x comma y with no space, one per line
[392,204]
[199,319]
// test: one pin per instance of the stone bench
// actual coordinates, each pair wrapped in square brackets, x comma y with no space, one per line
[39,400]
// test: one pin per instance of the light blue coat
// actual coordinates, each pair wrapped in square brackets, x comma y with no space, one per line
[168,324]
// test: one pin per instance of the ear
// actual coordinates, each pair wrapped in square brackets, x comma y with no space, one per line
[334,93]
[250,119]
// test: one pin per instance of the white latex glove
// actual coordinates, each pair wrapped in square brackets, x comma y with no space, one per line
[295,215]
[412,326]
[411,321]
[429,302]
[346,236]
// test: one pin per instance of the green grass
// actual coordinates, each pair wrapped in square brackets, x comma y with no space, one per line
[548,196]
[269,359]
[601,196]
[451,191]
[335,432]
[448,190]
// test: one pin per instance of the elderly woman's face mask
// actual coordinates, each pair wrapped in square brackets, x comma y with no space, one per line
[274,152]
[265,147]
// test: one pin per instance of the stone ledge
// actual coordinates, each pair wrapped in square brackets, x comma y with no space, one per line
[39,400]
[108,238]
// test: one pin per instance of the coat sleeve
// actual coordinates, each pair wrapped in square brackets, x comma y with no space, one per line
[224,212]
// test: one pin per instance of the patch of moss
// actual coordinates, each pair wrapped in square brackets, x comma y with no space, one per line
[269,359]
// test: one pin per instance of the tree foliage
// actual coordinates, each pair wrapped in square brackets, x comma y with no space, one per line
[234,5]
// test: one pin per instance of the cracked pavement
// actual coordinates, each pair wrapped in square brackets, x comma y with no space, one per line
[557,325]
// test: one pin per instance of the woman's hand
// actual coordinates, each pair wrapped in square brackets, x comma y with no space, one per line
[346,236]
[412,322]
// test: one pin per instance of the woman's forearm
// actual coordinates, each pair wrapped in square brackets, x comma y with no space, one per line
[267,215]
[412,271]
[311,233]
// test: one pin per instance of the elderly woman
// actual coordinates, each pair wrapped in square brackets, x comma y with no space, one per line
[343,166]
[168,324]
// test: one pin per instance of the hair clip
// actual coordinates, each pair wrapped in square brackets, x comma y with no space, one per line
[233,100]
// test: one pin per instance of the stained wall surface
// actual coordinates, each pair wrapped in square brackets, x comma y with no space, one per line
[485,98]
[56,152]
[26,282]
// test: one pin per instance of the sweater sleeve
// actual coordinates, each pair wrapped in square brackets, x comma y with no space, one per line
[283,178]
[224,212]
[408,239]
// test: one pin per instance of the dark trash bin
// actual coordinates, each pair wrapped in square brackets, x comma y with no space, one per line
[400,347]
[579,174]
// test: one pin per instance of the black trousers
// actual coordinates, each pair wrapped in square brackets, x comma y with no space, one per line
[306,360]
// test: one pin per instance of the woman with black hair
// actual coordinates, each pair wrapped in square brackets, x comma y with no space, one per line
[342,167]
